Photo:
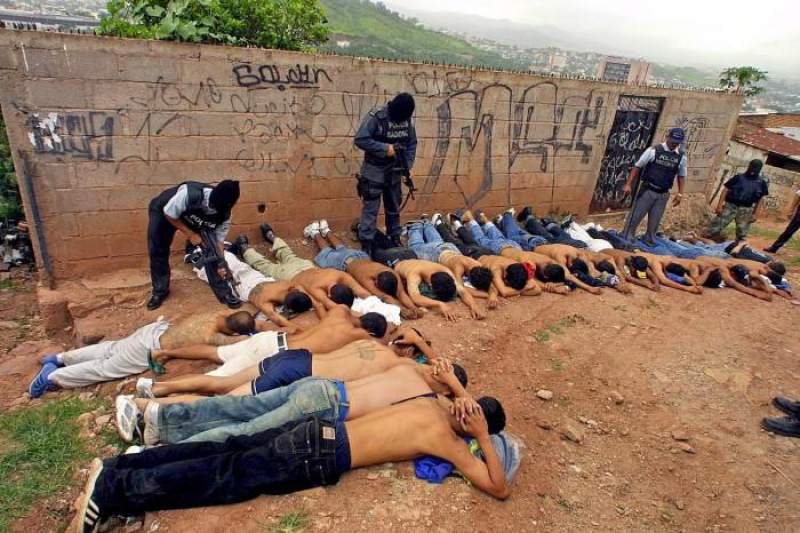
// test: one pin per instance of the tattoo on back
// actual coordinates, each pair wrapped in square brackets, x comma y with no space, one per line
[366,353]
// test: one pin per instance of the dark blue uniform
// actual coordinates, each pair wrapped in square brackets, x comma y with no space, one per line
[381,176]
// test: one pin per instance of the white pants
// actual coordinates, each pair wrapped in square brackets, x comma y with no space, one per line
[250,352]
[246,276]
[110,359]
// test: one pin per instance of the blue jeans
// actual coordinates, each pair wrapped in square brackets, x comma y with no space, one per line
[338,257]
[426,242]
[490,237]
[216,419]
[296,456]
[512,231]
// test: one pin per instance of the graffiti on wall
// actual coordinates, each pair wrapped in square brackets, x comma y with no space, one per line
[85,135]
[294,77]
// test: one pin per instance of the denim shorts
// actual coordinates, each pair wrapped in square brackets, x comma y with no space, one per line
[338,257]
[281,370]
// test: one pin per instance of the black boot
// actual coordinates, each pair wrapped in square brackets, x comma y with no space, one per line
[266,231]
[790,407]
[240,244]
[395,240]
[155,301]
[772,249]
[786,426]
[368,247]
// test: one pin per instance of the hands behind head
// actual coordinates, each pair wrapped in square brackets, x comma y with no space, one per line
[470,415]
[442,369]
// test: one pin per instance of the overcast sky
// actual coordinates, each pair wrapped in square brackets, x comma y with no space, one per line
[764,33]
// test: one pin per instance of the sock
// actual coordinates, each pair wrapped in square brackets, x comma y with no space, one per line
[60,359]
[151,424]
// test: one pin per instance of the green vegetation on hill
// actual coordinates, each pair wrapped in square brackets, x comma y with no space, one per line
[374,30]
[689,75]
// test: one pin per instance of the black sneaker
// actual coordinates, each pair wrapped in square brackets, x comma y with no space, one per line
[266,231]
[771,250]
[790,407]
[240,244]
[156,300]
[526,213]
[785,426]
[233,302]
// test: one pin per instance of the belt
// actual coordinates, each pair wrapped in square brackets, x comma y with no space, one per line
[283,344]
[654,188]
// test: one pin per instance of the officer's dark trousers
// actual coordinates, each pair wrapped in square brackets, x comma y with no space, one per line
[159,239]
[392,194]
[790,230]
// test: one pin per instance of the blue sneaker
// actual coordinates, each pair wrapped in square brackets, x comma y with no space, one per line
[51,358]
[41,383]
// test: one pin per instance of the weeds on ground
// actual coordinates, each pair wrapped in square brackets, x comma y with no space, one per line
[768,234]
[6,284]
[292,522]
[39,449]
[557,327]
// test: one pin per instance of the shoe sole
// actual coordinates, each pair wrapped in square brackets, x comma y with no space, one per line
[126,425]
[778,431]
[782,409]
[83,507]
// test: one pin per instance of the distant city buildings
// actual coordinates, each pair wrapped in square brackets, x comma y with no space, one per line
[622,70]
[26,20]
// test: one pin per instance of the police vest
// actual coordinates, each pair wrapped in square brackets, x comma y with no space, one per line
[388,132]
[194,216]
[745,191]
[662,170]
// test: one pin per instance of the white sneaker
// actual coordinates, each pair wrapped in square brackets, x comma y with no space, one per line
[436,219]
[133,450]
[144,388]
[312,230]
[324,229]
[512,211]
[127,415]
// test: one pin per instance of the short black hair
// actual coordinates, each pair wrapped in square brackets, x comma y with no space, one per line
[494,413]
[241,322]
[606,266]
[553,273]
[639,263]
[342,294]
[480,277]
[777,267]
[444,286]
[516,276]
[714,279]
[297,301]
[774,277]
[387,283]
[579,265]
[676,269]
[740,273]
[461,374]
[224,196]
[375,324]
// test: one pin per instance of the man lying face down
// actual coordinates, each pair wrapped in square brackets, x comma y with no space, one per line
[338,328]
[216,419]
[443,284]
[297,456]
[635,268]
[750,277]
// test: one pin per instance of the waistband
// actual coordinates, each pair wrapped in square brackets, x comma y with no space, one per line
[653,188]
[283,344]
[344,404]
[342,453]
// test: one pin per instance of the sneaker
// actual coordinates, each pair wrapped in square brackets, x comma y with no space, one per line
[41,383]
[127,417]
[51,358]
[144,388]
[324,228]
[436,219]
[240,244]
[312,230]
[90,517]
[525,214]
[267,233]
[155,301]
[790,407]
[511,211]
[786,426]
[771,250]
[132,450]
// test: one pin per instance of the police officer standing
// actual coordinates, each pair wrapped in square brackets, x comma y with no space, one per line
[657,167]
[740,201]
[389,142]
[192,208]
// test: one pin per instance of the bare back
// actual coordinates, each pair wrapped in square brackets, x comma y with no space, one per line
[318,278]
[200,328]
[355,361]
[271,293]
[419,267]
[365,270]
[333,332]
[558,252]
[398,384]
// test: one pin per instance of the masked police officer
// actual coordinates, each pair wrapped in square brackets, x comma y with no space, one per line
[389,142]
[657,167]
[192,208]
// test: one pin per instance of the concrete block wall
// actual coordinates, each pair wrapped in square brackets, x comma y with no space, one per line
[99,126]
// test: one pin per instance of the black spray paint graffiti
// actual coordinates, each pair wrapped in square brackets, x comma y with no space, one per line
[538,105]
[436,84]
[700,142]
[80,135]
[357,105]
[296,77]
[171,95]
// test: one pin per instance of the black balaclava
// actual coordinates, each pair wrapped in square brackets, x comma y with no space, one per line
[401,107]
[224,196]
[754,168]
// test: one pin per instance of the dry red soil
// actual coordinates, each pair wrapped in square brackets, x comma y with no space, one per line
[665,389]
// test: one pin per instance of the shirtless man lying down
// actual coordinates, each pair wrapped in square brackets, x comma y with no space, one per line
[443,284]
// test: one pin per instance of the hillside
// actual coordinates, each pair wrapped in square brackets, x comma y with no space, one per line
[374,30]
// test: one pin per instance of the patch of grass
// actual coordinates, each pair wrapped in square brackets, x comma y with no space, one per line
[767,234]
[557,327]
[41,447]
[293,522]
[6,284]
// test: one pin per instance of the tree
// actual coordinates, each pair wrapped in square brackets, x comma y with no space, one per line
[10,206]
[742,79]
[283,24]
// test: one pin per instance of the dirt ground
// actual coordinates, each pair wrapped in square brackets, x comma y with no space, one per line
[664,390]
